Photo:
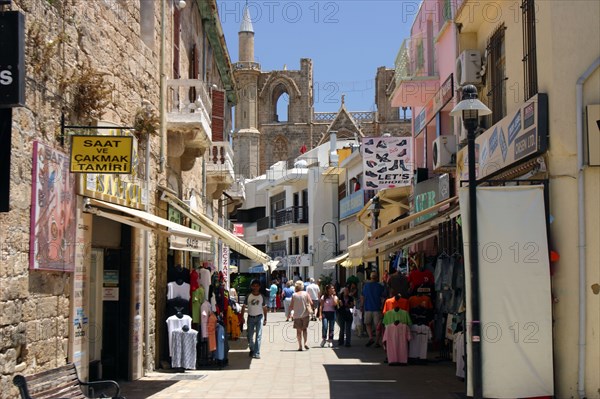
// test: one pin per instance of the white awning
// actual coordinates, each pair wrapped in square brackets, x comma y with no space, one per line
[141,220]
[235,243]
[330,264]
[394,239]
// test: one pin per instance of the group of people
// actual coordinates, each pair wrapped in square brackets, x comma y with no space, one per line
[304,301]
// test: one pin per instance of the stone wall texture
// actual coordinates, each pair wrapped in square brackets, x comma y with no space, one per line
[64,39]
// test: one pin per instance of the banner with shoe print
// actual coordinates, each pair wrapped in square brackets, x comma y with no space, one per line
[387,162]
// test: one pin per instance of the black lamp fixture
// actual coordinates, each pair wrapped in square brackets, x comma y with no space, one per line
[323,237]
[470,108]
[375,210]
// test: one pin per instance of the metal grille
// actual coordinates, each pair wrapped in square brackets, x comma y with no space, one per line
[529,49]
[497,81]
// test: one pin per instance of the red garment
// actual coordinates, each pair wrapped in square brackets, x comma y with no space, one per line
[391,303]
[194,281]
[418,277]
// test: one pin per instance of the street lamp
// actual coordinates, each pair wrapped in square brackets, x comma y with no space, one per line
[323,237]
[470,108]
[375,210]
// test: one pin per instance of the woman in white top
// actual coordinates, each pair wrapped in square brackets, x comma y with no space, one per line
[302,307]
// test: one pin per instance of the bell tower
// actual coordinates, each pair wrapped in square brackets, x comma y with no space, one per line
[246,140]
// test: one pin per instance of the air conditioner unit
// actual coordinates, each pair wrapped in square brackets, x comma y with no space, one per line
[444,152]
[468,68]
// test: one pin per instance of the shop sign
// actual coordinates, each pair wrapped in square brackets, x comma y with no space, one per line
[12,64]
[435,105]
[298,260]
[238,230]
[429,193]
[101,154]
[126,189]
[225,264]
[516,138]
[189,244]
[387,162]
[352,203]
[110,294]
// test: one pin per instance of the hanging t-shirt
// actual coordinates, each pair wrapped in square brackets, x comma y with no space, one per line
[392,303]
[175,290]
[205,281]
[184,349]
[396,315]
[420,336]
[395,338]
[204,313]
[197,301]
[176,323]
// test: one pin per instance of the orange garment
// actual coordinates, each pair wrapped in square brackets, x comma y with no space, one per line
[212,335]
[391,303]
[233,324]
[416,301]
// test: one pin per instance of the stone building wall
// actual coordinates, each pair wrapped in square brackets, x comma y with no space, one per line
[64,40]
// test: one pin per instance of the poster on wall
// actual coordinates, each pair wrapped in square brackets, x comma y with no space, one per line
[387,162]
[53,207]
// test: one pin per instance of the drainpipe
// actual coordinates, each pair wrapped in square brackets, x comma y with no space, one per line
[581,220]
[163,86]
[148,359]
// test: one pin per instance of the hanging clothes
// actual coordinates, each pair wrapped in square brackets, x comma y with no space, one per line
[392,303]
[184,349]
[178,289]
[212,332]
[395,339]
[205,281]
[420,337]
[233,324]
[177,323]
[220,338]
[204,313]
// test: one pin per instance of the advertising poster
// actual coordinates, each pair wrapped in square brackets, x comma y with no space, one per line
[387,162]
[53,207]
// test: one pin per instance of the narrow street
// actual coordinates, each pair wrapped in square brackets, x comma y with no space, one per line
[282,371]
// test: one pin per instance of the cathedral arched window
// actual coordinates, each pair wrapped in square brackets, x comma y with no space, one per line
[281,103]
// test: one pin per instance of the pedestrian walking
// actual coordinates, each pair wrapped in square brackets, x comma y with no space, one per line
[372,301]
[302,307]
[256,304]
[344,315]
[273,296]
[314,292]
[287,293]
[328,305]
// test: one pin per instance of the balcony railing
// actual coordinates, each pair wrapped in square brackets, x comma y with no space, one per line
[294,214]
[358,116]
[353,203]
[219,163]
[188,96]
[415,59]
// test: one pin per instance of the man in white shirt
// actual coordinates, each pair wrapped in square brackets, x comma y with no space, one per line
[314,292]
[256,304]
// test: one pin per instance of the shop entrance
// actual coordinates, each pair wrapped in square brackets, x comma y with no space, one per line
[116,306]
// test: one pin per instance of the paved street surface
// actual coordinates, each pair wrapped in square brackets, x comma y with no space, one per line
[283,372]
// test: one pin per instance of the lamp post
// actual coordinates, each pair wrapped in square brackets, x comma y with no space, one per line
[323,238]
[375,210]
[470,108]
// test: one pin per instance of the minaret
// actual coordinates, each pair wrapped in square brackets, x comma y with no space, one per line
[246,140]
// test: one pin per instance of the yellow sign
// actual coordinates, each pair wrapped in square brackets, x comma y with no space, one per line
[101,154]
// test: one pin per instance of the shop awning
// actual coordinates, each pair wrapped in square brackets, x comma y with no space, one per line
[235,243]
[390,238]
[330,264]
[395,196]
[142,220]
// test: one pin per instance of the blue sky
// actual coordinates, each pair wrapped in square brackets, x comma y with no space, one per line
[347,40]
